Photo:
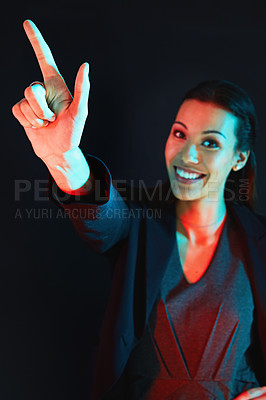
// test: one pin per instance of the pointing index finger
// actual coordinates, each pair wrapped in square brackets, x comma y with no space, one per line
[41,50]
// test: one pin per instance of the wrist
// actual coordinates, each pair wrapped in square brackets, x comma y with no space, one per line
[70,170]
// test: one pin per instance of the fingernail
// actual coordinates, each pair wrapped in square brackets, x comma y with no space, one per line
[52,118]
[37,83]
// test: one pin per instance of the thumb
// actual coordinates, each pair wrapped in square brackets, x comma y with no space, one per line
[79,105]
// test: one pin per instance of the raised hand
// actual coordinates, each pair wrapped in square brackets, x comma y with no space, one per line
[53,120]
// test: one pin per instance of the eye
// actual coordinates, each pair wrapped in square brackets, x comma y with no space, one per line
[177,133]
[213,143]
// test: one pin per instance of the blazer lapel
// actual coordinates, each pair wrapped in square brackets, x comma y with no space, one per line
[254,239]
[161,239]
[160,242]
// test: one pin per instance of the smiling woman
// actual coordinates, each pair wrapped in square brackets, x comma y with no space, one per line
[238,110]
[186,314]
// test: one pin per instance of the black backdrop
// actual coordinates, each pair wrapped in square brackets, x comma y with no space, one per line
[143,56]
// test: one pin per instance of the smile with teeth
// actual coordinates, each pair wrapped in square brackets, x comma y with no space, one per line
[188,175]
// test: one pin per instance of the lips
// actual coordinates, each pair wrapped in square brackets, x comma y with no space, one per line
[188,180]
[190,171]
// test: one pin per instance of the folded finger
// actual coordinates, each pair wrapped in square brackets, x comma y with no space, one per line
[20,116]
[30,115]
[35,95]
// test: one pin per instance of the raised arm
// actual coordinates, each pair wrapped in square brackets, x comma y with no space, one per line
[54,120]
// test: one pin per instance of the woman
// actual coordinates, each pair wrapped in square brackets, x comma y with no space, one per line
[186,316]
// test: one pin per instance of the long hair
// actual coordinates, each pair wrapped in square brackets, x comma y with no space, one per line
[240,185]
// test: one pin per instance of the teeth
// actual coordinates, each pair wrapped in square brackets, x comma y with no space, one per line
[186,175]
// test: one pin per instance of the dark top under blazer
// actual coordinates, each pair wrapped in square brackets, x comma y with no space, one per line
[142,247]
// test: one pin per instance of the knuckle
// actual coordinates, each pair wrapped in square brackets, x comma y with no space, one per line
[38,89]
[28,92]
[34,95]
[24,105]
[18,114]
[15,109]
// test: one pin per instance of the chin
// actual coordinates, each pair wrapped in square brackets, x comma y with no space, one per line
[185,194]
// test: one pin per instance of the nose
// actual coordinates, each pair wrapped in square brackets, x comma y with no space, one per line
[190,154]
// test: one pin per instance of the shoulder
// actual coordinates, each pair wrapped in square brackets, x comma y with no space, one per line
[261,217]
[246,212]
[253,222]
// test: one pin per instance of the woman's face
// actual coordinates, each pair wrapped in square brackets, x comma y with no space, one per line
[201,140]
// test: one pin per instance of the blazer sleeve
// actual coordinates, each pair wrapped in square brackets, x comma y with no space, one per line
[101,217]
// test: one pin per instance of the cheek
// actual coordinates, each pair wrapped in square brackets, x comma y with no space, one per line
[219,165]
[170,151]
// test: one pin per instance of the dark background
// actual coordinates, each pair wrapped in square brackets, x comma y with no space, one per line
[143,56]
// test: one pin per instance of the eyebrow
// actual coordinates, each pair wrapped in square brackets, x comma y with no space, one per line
[208,131]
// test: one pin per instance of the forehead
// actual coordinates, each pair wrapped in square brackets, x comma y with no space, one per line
[198,115]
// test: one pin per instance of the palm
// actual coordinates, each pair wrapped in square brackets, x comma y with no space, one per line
[56,138]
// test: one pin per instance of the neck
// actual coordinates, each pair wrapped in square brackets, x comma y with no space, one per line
[200,221]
